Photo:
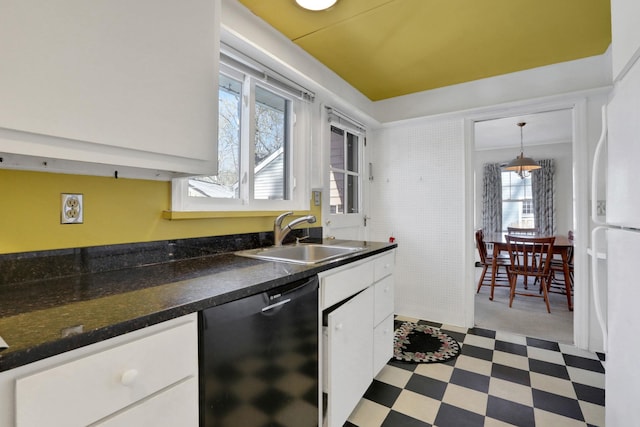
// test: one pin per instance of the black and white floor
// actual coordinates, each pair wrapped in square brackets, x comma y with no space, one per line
[499,379]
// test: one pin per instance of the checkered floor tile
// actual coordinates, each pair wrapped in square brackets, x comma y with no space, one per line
[499,379]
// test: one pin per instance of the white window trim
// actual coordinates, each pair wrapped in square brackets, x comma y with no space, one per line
[342,121]
[298,156]
[522,214]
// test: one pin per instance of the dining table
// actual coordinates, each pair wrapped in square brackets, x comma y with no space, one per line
[561,246]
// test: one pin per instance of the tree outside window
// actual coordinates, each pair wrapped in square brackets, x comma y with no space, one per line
[268,146]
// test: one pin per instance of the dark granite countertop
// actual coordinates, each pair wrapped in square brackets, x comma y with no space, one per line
[33,314]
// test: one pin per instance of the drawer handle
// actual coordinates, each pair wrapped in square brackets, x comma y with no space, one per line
[129,376]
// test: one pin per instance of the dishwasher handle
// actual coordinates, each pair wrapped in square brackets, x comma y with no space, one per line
[278,304]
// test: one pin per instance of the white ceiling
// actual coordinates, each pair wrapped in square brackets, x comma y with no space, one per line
[550,127]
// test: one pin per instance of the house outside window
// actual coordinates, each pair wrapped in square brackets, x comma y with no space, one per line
[344,172]
[266,149]
[271,142]
[261,149]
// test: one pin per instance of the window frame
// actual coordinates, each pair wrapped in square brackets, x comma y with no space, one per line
[344,170]
[522,201]
[298,170]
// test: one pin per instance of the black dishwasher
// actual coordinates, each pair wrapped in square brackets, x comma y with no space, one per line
[259,359]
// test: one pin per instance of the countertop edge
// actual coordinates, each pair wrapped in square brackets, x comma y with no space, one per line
[14,359]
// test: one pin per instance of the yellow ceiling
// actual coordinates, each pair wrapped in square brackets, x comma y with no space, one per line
[387,48]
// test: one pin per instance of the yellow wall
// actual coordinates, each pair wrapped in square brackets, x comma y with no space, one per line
[115,211]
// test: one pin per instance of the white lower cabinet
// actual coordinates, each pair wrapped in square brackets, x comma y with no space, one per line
[357,304]
[349,363]
[382,344]
[383,322]
[147,377]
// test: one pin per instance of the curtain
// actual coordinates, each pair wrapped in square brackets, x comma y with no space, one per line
[544,192]
[492,198]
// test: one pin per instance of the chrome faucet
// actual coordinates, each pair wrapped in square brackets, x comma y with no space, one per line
[279,232]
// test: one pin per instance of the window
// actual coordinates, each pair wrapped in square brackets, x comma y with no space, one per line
[272,114]
[517,203]
[265,120]
[226,183]
[261,151]
[344,172]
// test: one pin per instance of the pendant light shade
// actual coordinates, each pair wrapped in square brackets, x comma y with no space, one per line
[316,4]
[522,164]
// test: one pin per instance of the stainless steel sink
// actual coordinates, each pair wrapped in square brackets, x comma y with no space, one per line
[307,253]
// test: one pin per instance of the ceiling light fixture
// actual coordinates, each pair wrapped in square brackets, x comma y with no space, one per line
[316,4]
[521,164]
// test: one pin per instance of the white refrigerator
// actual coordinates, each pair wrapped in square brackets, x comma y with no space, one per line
[620,232]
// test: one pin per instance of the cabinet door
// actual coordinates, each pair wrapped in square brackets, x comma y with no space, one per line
[382,344]
[350,363]
[177,406]
[125,82]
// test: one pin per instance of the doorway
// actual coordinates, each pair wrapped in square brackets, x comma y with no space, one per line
[548,134]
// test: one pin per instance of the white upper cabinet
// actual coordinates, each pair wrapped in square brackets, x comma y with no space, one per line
[625,34]
[123,82]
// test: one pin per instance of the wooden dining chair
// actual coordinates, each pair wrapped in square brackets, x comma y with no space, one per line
[525,232]
[520,230]
[530,257]
[486,261]
[557,282]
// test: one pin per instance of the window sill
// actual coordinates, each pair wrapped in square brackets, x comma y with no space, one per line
[180,215]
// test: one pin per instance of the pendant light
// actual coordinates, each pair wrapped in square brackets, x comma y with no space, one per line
[522,164]
[316,4]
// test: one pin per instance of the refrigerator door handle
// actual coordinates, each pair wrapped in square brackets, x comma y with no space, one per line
[596,169]
[595,286]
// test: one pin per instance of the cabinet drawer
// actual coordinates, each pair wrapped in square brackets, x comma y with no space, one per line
[341,285]
[382,344]
[383,266]
[85,390]
[177,406]
[383,299]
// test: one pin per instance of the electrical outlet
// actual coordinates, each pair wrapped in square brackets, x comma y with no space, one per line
[72,209]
